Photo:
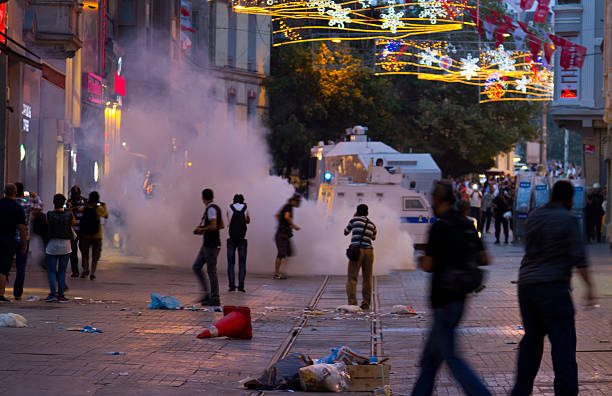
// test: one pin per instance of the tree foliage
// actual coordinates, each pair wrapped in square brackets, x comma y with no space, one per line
[315,97]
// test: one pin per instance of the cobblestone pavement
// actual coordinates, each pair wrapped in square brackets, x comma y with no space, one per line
[164,357]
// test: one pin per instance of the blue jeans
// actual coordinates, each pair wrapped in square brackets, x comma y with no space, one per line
[440,347]
[547,309]
[21,260]
[56,269]
[231,261]
[208,256]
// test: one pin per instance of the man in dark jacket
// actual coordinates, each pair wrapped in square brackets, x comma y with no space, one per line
[447,251]
[501,205]
[553,246]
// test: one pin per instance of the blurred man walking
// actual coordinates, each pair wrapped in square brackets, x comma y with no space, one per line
[553,247]
[453,252]
[284,233]
[12,220]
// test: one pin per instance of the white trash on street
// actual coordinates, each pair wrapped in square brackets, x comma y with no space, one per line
[349,308]
[13,320]
[324,377]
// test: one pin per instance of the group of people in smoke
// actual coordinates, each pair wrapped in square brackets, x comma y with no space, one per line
[73,225]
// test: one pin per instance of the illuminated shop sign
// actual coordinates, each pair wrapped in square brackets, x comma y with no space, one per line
[94,88]
[26,113]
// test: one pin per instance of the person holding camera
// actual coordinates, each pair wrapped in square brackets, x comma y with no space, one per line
[361,256]
[454,252]
[57,252]
[211,223]
[91,233]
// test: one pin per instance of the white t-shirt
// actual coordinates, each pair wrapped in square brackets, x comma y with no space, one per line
[238,207]
[475,199]
[58,247]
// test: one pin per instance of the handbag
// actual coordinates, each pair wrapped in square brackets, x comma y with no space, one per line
[354,251]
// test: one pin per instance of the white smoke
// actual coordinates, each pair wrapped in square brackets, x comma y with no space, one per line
[229,161]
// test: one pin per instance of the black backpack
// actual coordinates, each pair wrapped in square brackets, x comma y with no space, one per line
[238,224]
[90,222]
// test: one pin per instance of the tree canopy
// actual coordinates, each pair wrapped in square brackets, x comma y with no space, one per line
[316,96]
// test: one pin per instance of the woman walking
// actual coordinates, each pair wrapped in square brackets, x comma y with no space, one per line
[60,223]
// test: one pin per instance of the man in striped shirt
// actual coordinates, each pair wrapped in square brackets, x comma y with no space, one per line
[363,232]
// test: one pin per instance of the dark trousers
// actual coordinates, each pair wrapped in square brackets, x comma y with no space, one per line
[21,260]
[95,245]
[547,309]
[440,347]
[593,228]
[74,255]
[485,221]
[475,213]
[231,262]
[499,222]
[208,256]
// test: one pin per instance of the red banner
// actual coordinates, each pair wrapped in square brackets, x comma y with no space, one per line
[527,4]
[534,45]
[589,148]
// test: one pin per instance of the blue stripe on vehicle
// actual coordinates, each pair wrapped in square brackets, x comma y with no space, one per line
[415,220]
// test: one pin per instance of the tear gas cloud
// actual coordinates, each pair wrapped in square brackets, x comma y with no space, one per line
[229,160]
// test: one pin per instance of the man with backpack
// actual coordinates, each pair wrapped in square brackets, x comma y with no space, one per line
[211,223]
[91,233]
[239,217]
[454,251]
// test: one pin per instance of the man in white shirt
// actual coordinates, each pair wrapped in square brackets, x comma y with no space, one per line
[238,217]
[475,197]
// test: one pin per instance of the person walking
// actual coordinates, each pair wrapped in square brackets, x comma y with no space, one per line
[76,204]
[211,223]
[32,205]
[238,217]
[284,233]
[60,223]
[91,233]
[487,211]
[453,244]
[501,206]
[12,221]
[363,232]
[553,247]
[594,212]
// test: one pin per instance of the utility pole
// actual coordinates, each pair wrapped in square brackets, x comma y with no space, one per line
[566,151]
[543,135]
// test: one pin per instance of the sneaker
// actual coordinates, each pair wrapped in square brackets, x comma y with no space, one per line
[51,298]
[18,298]
[497,242]
[231,289]
[74,275]
[4,300]
[92,277]
[280,276]
[84,274]
[62,299]
[365,306]
[242,290]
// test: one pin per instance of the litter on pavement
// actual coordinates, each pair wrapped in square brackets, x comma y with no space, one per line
[32,298]
[115,353]
[346,355]
[324,377]
[13,320]
[164,302]
[403,310]
[349,308]
[84,329]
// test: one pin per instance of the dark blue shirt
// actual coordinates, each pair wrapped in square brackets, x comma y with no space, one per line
[553,246]
[11,215]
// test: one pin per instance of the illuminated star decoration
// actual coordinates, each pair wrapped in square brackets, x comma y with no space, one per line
[428,57]
[339,15]
[502,58]
[392,20]
[521,85]
[470,67]
[432,9]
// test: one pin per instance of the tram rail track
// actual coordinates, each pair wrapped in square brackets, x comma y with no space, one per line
[376,342]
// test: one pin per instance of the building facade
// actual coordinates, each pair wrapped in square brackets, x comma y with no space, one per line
[578,103]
